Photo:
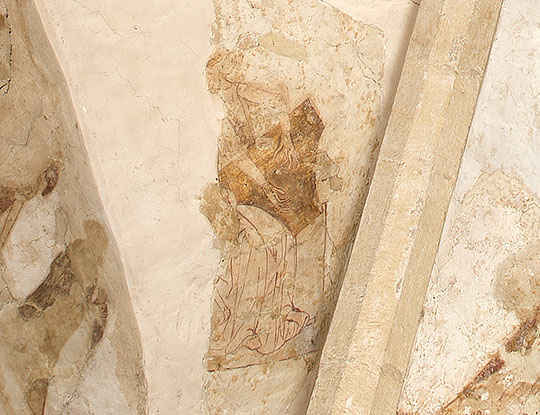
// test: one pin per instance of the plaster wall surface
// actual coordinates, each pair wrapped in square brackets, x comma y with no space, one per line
[69,341]
[137,74]
[477,344]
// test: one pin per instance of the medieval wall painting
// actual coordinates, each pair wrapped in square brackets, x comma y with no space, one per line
[509,383]
[299,84]
[477,345]
[495,236]
[262,303]
[68,340]
[137,77]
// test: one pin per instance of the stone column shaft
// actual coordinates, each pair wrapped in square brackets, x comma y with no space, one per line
[367,352]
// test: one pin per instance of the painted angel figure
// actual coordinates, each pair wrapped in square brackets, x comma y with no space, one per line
[269,290]
[253,109]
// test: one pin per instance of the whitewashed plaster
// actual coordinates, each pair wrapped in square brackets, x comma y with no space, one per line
[136,72]
[493,218]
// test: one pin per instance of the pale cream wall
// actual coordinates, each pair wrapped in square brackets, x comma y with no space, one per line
[135,70]
[136,73]
[492,219]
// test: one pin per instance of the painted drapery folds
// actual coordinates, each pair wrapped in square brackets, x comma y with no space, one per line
[274,269]
[232,143]
[299,84]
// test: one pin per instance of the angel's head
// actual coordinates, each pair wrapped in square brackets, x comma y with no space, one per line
[221,70]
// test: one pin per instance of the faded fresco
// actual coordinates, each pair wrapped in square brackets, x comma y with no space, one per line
[68,340]
[477,344]
[274,277]
[509,383]
[495,237]
[299,84]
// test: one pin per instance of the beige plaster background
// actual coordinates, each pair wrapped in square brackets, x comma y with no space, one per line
[135,70]
[136,73]
[69,340]
[492,220]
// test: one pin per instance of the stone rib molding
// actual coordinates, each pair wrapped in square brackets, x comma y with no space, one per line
[367,352]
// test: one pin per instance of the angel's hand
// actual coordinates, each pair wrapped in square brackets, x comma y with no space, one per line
[287,146]
[277,195]
[293,159]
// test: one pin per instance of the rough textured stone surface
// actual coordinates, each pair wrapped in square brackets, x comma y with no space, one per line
[367,352]
[230,143]
[477,347]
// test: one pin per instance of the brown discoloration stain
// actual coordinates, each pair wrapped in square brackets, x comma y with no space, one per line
[493,366]
[51,178]
[7,198]
[57,284]
[487,391]
[526,334]
[491,264]
[134,385]
[100,319]
[12,200]
[37,396]
[42,159]
[510,382]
